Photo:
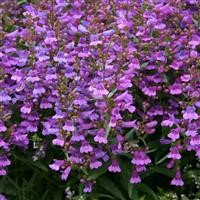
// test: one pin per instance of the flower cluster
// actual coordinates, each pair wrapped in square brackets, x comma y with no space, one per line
[85,73]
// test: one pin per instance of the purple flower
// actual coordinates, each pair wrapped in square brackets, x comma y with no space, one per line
[170,164]
[4,145]
[149,91]
[176,88]
[135,178]
[2,172]
[98,90]
[77,137]
[95,40]
[108,32]
[169,122]
[150,127]
[192,130]
[38,90]
[17,76]
[59,142]
[2,197]
[57,164]
[176,65]
[174,134]
[94,164]
[4,161]
[174,153]
[66,173]
[4,97]
[195,41]
[114,167]
[157,110]
[69,126]
[2,127]
[45,105]
[140,158]
[190,113]
[82,29]
[129,124]
[165,141]
[85,147]
[26,109]
[124,83]
[185,77]
[195,140]
[100,137]
[177,180]
[140,168]
[88,187]
[59,115]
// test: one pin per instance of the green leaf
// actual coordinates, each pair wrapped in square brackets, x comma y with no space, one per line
[40,166]
[164,171]
[129,135]
[98,172]
[146,189]
[8,186]
[132,192]
[21,2]
[108,185]
[144,64]
[104,195]
[58,196]
[142,198]
[44,196]
[112,93]
[161,160]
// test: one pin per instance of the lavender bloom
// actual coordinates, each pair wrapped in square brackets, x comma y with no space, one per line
[195,140]
[175,89]
[174,153]
[114,167]
[98,90]
[59,142]
[170,164]
[174,134]
[85,147]
[26,109]
[4,97]
[2,197]
[140,168]
[177,180]
[4,161]
[69,126]
[77,137]
[140,158]
[135,178]
[94,164]
[65,173]
[3,172]
[88,187]
[2,127]
[190,113]
[165,141]
[100,137]
[57,164]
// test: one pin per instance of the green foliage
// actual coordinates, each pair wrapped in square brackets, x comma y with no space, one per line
[19,2]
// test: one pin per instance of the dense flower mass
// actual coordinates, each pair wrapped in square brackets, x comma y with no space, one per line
[100,79]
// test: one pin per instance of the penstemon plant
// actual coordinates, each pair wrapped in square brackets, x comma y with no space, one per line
[100,80]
